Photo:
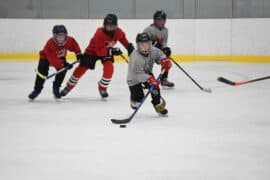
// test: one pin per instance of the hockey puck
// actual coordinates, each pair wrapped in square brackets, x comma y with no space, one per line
[123,126]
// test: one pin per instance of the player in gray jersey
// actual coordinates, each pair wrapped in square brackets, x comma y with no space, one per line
[159,36]
[140,73]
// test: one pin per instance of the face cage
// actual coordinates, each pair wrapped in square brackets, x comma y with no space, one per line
[55,36]
[110,28]
[160,22]
[144,47]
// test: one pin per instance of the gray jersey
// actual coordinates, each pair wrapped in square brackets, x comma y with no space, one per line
[140,66]
[154,32]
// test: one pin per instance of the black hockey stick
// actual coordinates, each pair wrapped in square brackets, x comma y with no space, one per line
[124,58]
[55,73]
[226,81]
[127,120]
[208,90]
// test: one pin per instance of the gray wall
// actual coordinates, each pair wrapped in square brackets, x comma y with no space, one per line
[133,8]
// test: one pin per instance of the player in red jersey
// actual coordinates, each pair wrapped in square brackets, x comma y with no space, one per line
[54,54]
[101,48]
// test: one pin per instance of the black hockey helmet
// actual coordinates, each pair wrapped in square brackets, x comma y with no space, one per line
[160,14]
[59,30]
[110,24]
[110,19]
[144,44]
[142,37]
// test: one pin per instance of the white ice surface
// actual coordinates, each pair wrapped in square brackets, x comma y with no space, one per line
[220,136]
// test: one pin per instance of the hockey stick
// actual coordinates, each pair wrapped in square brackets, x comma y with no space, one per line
[124,58]
[226,81]
[127,120]
[208,90]
[55,73]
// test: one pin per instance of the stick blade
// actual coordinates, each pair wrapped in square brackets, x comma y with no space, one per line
[208,90]
[226,81]
[121,121]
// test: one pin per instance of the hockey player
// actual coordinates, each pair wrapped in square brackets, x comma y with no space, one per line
[101,48]
[54,54]
[140,73]
[159,36]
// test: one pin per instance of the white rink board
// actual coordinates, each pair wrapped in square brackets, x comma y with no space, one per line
[186,36]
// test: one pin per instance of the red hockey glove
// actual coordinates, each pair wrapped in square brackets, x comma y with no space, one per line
[153,82]
[166,64]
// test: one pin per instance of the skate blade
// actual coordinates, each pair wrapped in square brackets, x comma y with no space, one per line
[31,100]
[104,98]
[167,87]
[58,99]
[162,115]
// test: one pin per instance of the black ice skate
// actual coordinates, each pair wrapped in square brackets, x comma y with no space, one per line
[65,91]
[134,104]
[56,92]
[166,83]
[33,94]
[103,93]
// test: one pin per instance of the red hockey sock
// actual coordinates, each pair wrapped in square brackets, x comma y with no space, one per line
[107,75]
[78,72]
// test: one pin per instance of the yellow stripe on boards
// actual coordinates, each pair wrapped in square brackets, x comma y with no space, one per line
[23,57]
[233,58]
[18,56]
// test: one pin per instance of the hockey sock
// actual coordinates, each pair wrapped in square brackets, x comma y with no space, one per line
[107,75]
[78,72]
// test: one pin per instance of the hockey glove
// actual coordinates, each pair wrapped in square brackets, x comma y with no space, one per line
[115,51]
[157,45]
[130,48]
[79,57]
[167,51]
[153,82]
[166,64]
[157,41]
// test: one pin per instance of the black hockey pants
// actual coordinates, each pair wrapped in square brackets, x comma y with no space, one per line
[43,68]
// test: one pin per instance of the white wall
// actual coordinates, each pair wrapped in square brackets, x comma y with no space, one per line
[251,36]
[186,36]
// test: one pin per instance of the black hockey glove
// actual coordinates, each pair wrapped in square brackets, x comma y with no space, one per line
[130,48]
[79,57]
[167,51]
[115,51]
[157,45]
[67,65]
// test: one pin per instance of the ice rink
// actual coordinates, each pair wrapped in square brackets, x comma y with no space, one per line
[220,136]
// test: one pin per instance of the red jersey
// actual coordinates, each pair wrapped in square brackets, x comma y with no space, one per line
[101,42]
[55,53]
